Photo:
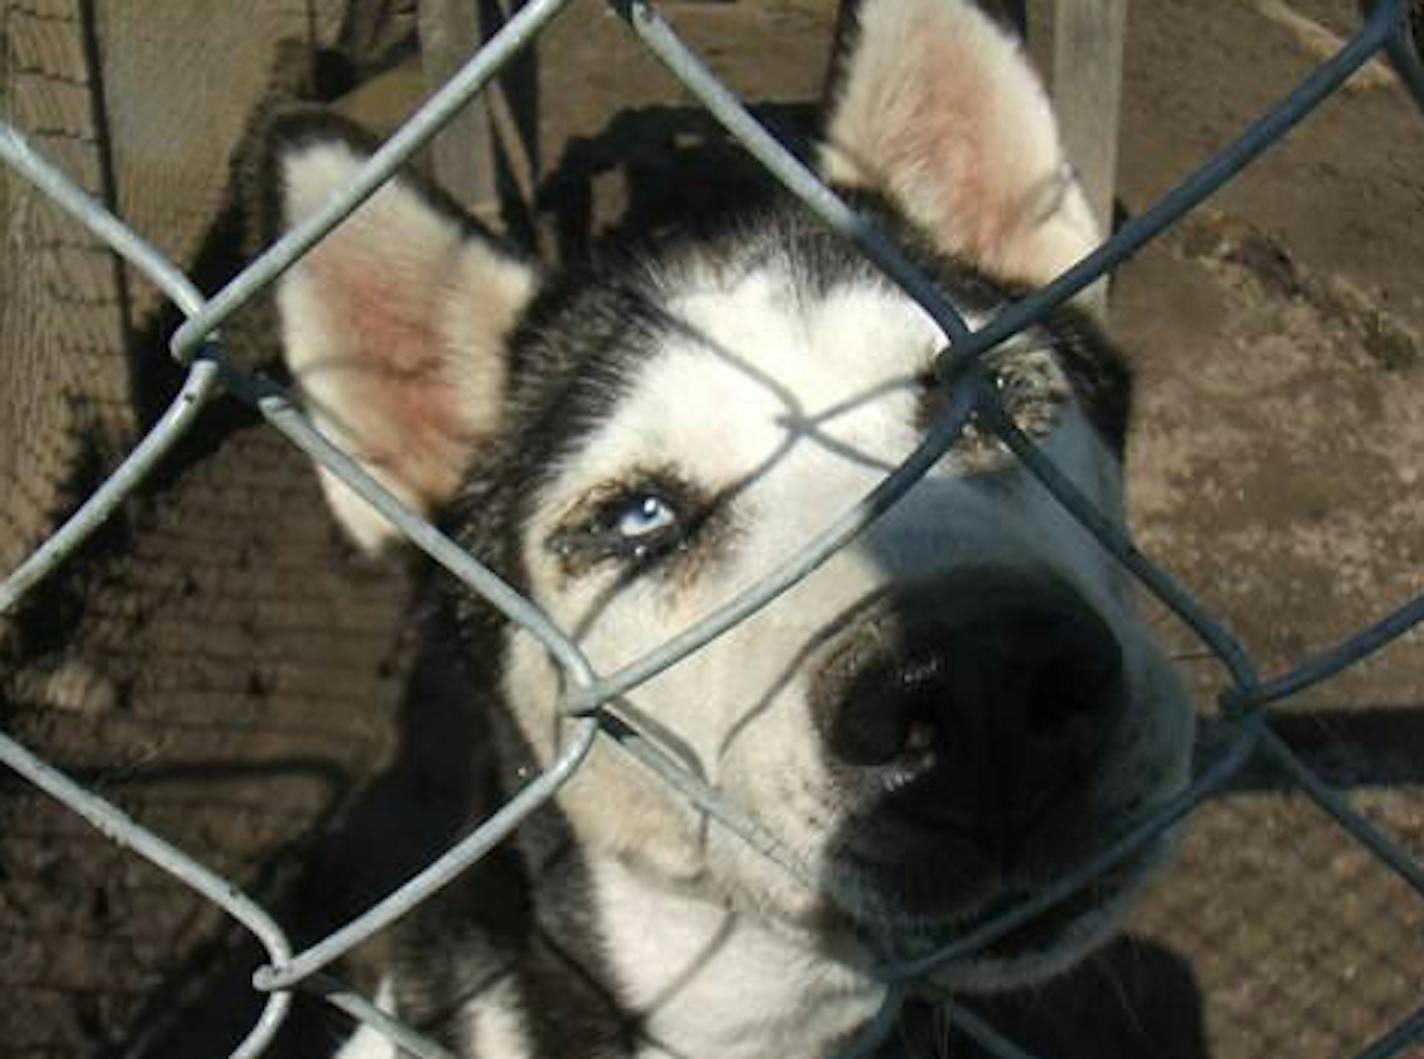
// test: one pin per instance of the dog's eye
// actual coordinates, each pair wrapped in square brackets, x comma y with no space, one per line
[1032,388]
[642,516]
[635,522]
[637,525]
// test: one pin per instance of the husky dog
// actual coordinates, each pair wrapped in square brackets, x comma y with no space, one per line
[936,723]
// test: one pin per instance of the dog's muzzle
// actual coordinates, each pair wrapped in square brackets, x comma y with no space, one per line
[975,708]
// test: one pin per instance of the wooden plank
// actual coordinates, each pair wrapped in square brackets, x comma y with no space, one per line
[1087,91]
[463,154]
[488,156]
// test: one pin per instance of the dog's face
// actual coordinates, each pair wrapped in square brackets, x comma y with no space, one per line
[950,711]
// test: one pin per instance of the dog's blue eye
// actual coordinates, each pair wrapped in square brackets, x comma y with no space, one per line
[637,524]
[643,516]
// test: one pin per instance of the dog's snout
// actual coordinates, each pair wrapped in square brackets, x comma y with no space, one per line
[977,712]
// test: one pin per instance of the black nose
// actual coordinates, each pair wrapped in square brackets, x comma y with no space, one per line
[977,710]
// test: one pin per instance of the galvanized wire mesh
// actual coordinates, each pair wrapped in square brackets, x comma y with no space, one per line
[198,345]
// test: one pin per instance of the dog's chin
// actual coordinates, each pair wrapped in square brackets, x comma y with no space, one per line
[1041,947]
[1044,946]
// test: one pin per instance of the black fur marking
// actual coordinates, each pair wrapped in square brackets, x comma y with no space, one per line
[1097,370]
[520,921]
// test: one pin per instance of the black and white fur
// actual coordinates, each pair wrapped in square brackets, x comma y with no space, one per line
[936,723]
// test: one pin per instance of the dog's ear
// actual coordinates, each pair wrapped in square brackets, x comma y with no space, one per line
[394,325]
[936,107]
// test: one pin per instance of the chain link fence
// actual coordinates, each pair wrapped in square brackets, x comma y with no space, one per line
[1252,740]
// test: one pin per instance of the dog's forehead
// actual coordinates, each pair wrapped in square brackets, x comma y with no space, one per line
[748,366]
[788,353]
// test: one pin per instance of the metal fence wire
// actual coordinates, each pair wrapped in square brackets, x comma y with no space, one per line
[1244,702]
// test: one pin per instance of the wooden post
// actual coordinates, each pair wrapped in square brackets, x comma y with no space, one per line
[488,157]
[1079,46]
[1087,92]
[464,153]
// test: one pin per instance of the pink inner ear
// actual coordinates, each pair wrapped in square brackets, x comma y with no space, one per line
[947,148]
[393,377]
[941,110]
[952,132]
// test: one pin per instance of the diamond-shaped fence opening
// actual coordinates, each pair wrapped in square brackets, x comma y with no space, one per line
[1317,951]
[1328,966]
